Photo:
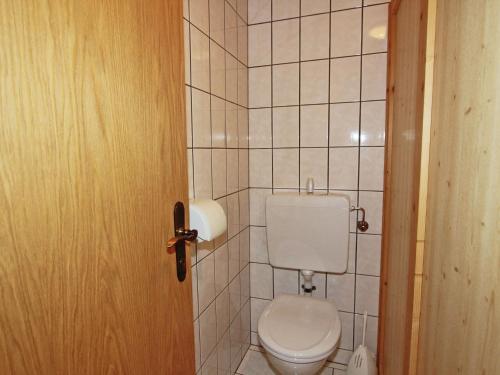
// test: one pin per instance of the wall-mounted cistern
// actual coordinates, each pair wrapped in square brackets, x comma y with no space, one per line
[307,232]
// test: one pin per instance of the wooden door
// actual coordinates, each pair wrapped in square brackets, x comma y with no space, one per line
[92,160]
[405,108]
[460,318]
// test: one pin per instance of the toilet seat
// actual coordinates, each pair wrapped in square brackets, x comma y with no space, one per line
[299,329]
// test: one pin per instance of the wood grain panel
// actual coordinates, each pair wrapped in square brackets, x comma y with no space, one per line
[407,41]
[92,160]
[460,319]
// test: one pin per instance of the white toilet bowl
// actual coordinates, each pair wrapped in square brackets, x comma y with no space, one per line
[299,333]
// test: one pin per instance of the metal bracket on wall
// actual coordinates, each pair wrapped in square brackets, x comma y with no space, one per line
[361,224]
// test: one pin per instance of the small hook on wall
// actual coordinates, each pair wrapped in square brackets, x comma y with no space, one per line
[362,224]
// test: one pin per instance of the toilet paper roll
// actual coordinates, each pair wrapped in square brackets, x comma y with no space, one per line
[208,217]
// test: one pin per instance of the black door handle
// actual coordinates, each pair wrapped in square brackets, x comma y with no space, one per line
[179,241]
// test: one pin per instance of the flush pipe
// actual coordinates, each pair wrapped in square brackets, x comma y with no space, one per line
[307,286]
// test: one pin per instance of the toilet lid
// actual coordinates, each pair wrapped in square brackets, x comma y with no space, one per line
[296,327]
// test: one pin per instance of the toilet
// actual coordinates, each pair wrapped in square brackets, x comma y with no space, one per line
[307,232]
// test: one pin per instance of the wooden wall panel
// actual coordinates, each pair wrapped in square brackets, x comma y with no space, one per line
[407,41]
[460,319]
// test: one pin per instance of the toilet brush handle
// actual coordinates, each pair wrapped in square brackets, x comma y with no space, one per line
[365,318]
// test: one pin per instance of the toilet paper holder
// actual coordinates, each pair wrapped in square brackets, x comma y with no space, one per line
[361,224]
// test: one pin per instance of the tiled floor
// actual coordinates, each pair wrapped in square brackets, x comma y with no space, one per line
[255,363]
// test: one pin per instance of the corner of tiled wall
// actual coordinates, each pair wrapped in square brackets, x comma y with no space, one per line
[216,56]
[317,90]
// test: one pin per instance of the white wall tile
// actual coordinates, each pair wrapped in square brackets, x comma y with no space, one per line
[367,293]
[286,127]
[285,36]
[261,168]
[242,85]
[194,286]
[242,41]
[233,246]
[206,281]
[371,168]
[199,14]
[261,281]
[235,342]
[345,4]
[200,58]
[232,171]
[375,21]
[340,289]
[286,168]
[202,133]
[259,11]
[231,33]
[217,21]
[189,129]
[369,254]
[224,354]
[314,6]
[234,298]
[373,123]
[286,84]
[344,124]
[244,208]
[259,44]
[346,33]
[258,245]
[208,332]
[373,2]
[219,174]
[374,76]
[242,127]
[314,126]
[258,206]
[217,70]
[286,281]
[242,9]
[243,163]
[196,326]
[202,173]
[257,307]
[221,268]
[260,131]
[245,284]
[231,78]
[259,85]
[218,114]
[222,312]
[345,79]
[244,248]
[315,37]
[347,333]
[313,163]
[233,215]
[285,9]
[314,82]
[344,168]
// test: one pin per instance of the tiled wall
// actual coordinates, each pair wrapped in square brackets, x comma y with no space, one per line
[216,35]
[317,89]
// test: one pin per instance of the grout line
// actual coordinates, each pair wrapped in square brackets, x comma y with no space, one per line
[318,14]
[318,59]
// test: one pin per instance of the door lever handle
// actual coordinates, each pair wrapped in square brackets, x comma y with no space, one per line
[182,234]
[177,244]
